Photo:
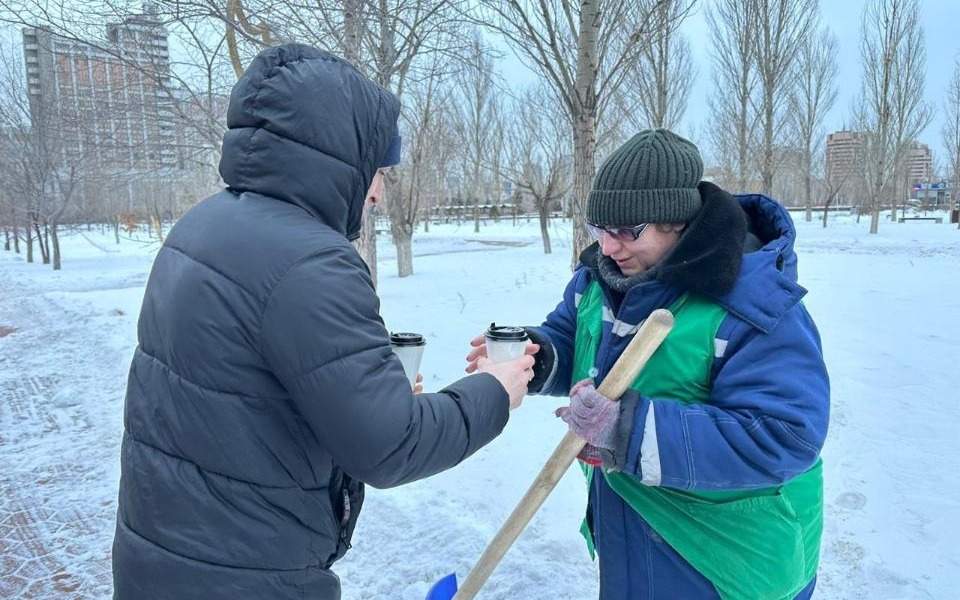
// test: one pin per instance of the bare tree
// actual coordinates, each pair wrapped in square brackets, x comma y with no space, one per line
[476,108]
[498,152]
[41,173]
[393,42]
[779,29]
[951,135]
[539,156]
[405,205]
[811,100]
[833,188]
[444,149]
[9,132]
[735,73]
[120,178]
[889,112]
[583,49]
[24,179]
[662,79]
[911,113]
[9,205]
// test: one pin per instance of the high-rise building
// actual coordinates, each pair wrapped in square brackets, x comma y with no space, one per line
[105,102]
[845,154]
[919,164]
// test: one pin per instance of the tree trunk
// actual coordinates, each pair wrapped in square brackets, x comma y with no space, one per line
[826,205]
[428,210]
[29,233]
[6,238]
[894,199]
[404,243]
[766,174]
[584,122]
[56,246]
[584,169]
[366,244]
[876,194]
[808,185]
[743,142]
[16,234]
[44,254]
[46,243]
[116,231]
[545,226]
[351,31]
[156,214]
[875,216]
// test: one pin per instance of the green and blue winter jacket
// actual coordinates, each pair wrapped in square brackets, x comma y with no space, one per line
[764,415]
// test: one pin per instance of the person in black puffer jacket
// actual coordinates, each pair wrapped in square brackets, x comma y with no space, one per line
[264,393]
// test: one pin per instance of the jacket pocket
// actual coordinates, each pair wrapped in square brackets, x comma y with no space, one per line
[346,497]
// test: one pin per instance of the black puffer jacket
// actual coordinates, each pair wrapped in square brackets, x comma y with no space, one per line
[263,390]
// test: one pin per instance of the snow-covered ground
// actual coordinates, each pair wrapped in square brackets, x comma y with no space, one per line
[888,308]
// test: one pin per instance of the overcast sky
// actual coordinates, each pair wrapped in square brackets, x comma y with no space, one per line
[941,25]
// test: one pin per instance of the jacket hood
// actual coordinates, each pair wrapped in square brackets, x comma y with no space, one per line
[766,287]
[305,127]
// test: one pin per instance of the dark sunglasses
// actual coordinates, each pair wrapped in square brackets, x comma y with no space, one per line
[621,234]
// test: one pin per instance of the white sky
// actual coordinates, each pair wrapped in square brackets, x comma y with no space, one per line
[941,23]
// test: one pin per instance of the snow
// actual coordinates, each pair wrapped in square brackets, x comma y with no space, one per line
[887,307]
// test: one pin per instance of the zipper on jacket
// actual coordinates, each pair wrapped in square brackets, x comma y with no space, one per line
[345,519]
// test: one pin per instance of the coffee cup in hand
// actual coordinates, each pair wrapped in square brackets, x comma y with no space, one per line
[505,343]
[409,349]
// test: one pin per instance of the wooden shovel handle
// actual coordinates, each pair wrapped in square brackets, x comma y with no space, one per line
[651,334]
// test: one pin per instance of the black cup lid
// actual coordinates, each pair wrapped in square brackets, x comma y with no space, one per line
[506,333]
[407,339]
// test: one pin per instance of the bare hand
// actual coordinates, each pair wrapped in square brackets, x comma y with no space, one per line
[479,350]
[418,386]
[513,375]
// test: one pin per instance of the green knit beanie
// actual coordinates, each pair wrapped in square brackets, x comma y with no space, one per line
[652,178]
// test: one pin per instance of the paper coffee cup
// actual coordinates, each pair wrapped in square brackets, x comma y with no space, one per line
[409,349]
[505,342]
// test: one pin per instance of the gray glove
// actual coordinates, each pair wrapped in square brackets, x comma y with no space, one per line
[604,423]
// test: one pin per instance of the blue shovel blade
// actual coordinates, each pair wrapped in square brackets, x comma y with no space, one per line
[444,589]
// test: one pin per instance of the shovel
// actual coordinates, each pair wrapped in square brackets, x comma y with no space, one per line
[624,372]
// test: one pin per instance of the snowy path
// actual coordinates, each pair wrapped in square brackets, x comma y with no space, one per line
[58,447]
[888,308]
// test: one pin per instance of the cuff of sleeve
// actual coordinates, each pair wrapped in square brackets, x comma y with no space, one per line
[545,362]
[617,459]
[485,406]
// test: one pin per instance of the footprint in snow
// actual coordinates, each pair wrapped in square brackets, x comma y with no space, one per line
[851,500]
